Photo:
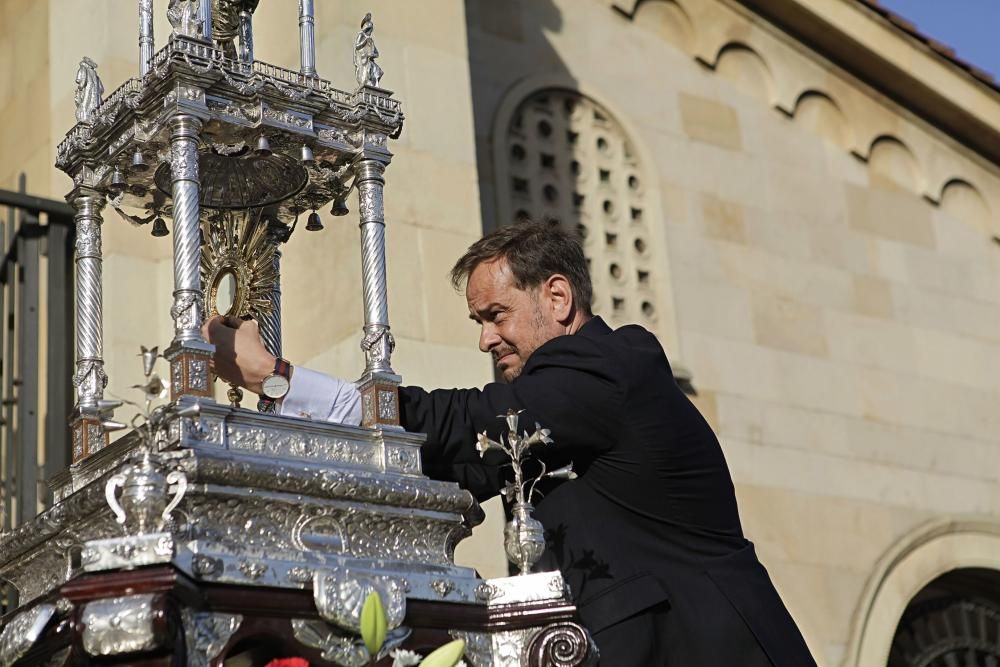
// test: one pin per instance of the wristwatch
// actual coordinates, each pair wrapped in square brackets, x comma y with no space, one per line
[275,386]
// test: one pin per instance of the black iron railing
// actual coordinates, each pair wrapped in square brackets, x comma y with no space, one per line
[36,246]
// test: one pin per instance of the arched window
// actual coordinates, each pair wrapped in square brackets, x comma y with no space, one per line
[563,156]
[954,621]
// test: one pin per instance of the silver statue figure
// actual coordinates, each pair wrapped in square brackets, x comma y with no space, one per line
[184,17]
[89,90]
[366,69]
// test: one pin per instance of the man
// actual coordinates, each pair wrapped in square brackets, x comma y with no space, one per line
[648,537]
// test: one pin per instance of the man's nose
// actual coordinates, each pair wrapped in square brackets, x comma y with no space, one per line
[488,339]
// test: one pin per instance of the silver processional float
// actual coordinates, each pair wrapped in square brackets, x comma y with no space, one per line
[208,530]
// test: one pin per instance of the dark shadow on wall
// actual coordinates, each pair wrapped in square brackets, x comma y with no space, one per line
[508,41]
[546,151]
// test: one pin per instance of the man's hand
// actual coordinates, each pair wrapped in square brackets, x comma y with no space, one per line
[240,355]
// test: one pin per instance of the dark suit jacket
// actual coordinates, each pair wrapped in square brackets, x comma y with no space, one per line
[648,536]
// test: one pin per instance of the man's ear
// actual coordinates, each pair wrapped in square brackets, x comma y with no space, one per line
[560,295]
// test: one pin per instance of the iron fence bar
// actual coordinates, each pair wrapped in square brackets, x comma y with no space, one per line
[60,210]
[28,242]
[60,347]
[5,363]
[10,451]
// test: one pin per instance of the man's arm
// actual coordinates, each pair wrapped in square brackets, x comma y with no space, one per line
[322,397]
[569,387]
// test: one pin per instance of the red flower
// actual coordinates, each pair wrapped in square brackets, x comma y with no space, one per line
[288,662]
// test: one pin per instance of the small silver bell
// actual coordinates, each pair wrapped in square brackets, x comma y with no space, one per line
[139,165]
[307,156]
[314,224]
[339,207]
[160,227]
[263,146]
[118,183]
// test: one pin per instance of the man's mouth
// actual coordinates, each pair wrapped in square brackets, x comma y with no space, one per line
[500,358]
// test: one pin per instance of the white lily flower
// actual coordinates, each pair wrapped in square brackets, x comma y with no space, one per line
[540,436]
[483,443]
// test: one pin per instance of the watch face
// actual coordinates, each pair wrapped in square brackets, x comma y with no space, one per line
[275,386]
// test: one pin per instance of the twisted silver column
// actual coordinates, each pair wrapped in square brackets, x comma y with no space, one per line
[270,321]
[189,354]
[146,42]
[307,37]
[186,309]
[246,36]
[377,342]
[90,377]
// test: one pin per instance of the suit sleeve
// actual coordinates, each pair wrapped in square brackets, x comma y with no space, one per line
[568,386]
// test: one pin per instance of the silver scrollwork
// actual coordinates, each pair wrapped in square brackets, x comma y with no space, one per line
[378,345]
[206,566]
[443,587]
[185,310]
[370,204]
[562,645]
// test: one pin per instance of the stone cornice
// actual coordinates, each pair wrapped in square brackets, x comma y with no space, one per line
[871,48]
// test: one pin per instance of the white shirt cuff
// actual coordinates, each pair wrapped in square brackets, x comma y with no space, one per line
[321,397]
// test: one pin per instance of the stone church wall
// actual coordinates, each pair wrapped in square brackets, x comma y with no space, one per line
[828,269]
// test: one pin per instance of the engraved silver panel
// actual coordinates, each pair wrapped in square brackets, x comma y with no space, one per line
[118,625]
[22,631]
[523,588]
[127,552]
[340,595]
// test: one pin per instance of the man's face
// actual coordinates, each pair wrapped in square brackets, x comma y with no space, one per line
[515,322]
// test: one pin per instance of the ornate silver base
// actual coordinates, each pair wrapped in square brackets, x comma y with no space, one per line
[275,502]
[271,501]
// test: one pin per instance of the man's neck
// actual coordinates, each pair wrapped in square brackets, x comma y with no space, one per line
[577,322]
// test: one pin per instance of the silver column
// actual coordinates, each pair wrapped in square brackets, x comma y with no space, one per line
[189,353]
[270,320]
[205,14]
[90,377]
[307,37]
[379,385]
[186,310]
[146,42]
[246,36]
[377,342]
